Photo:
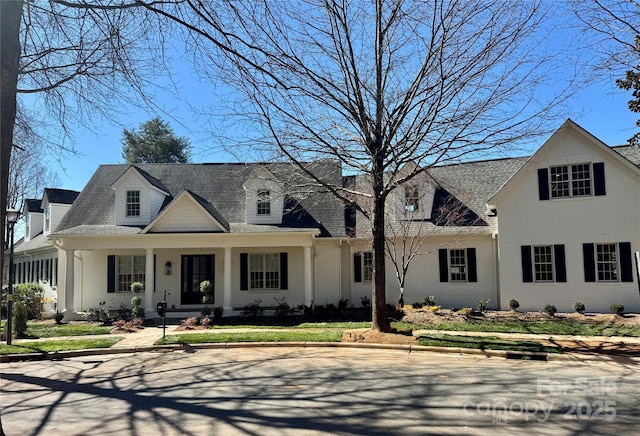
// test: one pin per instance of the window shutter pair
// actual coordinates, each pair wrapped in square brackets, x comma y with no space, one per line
[589,262]
[244,271]
[560,273]
[472,270]
[599,187]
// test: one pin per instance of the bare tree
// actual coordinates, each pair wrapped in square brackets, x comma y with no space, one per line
[377,84]
[616,45]
[68,62]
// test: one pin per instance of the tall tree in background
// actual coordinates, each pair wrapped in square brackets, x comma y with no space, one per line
[154,142]
[616,46]
[377,84]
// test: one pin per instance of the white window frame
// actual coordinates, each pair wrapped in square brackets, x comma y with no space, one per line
[572,180]
[458,268]
[367,266]
[132,203]
[263,202]
[264,271]
[129,271]
[607,262]
[47,217]
[543,260]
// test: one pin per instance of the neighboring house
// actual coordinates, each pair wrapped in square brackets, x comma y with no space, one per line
[554,228]
[569,223]
[35,256]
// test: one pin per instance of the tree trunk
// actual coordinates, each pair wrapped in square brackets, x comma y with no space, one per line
[10,16]
[379,318]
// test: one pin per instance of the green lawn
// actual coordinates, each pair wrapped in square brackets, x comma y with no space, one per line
[61,345]
[484,343]
[263,336]
[54,330]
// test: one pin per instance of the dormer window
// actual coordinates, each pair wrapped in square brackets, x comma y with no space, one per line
[133,203]
[47,217]
[263,205]
[411,199]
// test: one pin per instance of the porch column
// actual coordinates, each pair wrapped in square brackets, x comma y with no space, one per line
[149,285]
[226,300]
[68,282]
[308,282]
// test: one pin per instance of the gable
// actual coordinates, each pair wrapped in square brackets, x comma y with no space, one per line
[188,213]
[570,148]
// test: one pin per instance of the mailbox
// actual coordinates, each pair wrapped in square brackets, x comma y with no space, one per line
[161,308]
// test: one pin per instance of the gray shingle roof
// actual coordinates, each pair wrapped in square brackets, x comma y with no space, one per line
[61,196]
[33,205]
[218,184]
[629,152]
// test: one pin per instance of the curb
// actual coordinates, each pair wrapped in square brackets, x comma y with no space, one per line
[513,355]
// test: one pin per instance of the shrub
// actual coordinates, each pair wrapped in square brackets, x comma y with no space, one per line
[206,287]
[206,311]
[482,304]
[550,309]
[417,305]
[465,311]
[217,312]
[430,301]
[617,308]
[137,287]
[253,309]
[98,314]
[20,318]
[343,305]
[434,309]
[137,311]
[282,308]
[28,293]
[205,321]
[189,322]
[365,302]
[58,317]
[578,306]
[513,304]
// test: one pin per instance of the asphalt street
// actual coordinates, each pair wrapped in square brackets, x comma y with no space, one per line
[318,391]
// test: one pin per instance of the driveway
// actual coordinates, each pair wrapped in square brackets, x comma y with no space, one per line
[318,391]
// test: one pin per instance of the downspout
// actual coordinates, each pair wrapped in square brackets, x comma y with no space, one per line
[496,267]
[637,254]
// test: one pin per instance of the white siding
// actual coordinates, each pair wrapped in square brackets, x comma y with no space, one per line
[525,220]
[327,273]
[186,216]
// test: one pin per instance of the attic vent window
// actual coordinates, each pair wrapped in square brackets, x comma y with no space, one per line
[264,202]
[133,203]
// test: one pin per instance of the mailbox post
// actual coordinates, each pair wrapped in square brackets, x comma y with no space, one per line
[161,308]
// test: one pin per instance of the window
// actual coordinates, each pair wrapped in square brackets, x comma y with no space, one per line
[543,263]
[47,217]
[411,199]
[133,203]
[571,181]
[367,266]
[264,202]
[607,262]
[264,271]
[129,269]
[458,265]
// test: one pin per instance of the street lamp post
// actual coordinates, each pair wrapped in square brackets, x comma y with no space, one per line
[12,218]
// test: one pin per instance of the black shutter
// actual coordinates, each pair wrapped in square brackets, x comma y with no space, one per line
[527,265]
[244,271]
[357,267]
[471,262]
[284,271]
[598,179]
[543,183]
[561,270]
[589,263]
[111,274]
[444,266]
[626,268]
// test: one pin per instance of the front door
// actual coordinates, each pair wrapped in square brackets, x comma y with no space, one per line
[195,270]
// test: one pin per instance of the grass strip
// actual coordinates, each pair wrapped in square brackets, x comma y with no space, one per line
[60,345]
[270,336]
[56,330]
[484,343]
[559,327]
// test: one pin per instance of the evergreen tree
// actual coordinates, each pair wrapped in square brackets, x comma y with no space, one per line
[154,142]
